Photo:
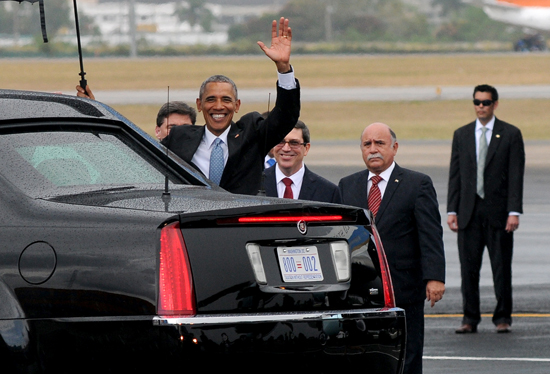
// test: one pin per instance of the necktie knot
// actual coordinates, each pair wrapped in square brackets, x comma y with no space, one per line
[288,190]
[376,179]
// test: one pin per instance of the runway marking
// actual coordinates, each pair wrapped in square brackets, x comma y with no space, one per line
[486,358]
[517,315]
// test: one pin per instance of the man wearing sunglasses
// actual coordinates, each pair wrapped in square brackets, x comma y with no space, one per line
[290,178]
[484,201]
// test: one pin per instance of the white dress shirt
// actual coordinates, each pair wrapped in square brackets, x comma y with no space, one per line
[385,175]
[489,126]
[297,179]
[201,158]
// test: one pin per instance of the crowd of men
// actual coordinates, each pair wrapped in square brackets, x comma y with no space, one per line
[266,152]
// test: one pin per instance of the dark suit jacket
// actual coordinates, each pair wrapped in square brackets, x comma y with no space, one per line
[409,224]
[503,177]
[249,140]
[314,187]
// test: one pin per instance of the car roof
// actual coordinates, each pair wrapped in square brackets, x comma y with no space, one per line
[16,105]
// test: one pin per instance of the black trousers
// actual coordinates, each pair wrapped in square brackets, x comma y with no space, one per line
[414,317]
[471,242]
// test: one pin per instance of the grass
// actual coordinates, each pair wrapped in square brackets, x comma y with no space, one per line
[337,120]
[248,72]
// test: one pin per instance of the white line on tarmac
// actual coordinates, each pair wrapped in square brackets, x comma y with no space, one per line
[486,358]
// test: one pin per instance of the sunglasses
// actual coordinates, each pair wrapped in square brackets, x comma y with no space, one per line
[484,102]
[295,144]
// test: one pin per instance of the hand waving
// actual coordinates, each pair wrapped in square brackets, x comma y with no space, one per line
[279,51]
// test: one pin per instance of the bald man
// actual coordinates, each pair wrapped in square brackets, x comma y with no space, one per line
[406,214]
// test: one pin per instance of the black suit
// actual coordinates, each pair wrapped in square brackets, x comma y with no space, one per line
[314,187]
[249,140]
[481,222]
[409,224]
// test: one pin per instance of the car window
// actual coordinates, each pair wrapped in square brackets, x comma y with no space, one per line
[64,159]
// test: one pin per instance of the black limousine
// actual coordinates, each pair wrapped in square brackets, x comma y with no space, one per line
[116,255]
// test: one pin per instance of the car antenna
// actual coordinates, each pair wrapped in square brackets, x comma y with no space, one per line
[83,82]
[166,197]
[261,191]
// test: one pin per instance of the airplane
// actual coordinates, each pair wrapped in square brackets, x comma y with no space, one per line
[534,14]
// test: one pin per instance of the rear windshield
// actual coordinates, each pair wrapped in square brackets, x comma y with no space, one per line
[59,160]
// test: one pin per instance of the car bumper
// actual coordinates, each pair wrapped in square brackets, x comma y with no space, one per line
[320,341]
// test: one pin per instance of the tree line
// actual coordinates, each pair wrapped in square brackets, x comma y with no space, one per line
[313,21]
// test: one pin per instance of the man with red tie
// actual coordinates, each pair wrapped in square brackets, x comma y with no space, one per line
[406,214]
[290,178]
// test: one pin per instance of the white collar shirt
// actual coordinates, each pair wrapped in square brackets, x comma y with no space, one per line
[489,126]
[201,158]
[386,174]
[297,179]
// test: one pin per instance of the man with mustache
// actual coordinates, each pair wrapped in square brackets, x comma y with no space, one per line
[232,153]
[406,214]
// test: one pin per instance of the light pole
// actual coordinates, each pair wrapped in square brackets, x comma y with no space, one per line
[132,27]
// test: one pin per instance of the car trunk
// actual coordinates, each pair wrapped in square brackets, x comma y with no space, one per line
[225,280]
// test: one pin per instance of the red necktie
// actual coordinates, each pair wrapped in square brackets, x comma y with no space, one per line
[288,191]
[375,197]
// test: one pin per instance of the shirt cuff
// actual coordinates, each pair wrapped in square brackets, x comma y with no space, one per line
[287,80]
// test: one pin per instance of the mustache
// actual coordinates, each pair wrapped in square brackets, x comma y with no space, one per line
[375,155]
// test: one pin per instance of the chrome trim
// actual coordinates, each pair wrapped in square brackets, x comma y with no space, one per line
[212,319]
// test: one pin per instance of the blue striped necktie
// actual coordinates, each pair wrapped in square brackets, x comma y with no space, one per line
[216,162]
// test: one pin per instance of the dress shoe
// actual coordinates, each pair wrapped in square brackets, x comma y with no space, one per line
[466,329]
[503,328]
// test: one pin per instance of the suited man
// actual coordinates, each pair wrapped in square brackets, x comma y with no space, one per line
[238,148]
[484,203]
[302,183]
[405,207]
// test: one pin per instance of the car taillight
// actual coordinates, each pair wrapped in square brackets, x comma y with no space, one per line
[176,294]
[290,218]
[389,298]
[275,219]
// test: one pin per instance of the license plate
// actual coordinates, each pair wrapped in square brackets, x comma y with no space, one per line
[300,264]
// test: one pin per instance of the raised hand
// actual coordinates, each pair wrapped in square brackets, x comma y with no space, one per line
[88,94]
[279,51]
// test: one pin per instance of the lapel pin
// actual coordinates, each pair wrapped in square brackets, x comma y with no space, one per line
[498,135]
[397,180]
[236,136]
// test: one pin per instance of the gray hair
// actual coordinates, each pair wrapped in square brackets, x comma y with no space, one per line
[392,135]
[218,79]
